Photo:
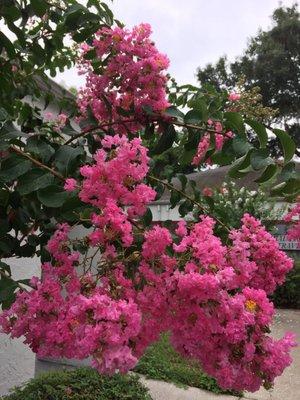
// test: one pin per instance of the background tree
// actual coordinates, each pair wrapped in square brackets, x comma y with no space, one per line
[271,61]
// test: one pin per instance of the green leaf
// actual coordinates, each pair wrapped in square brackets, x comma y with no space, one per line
[147,218]
[4,196]
[11,12]
[39,7]
[268,174]
[260,158]
[8,131]
[148,110]
[291,187]
[40,148]
[166,140]
[7,288]
[175,198]
[185,207]
[198,104]
[33,180]
[240,145]
[13,167]
[38,53]
[66,159]
[239,165]
[5,267]
[278,189]
[289,171]
[221,158]
[174,113]
[194,117]
[183,179]
[260,130]
[7,44]
[52,196]
[234,121]
[73,15]
[4,227]
[3,114]
[187,156]
[287,144]
[149,131]
[73,207]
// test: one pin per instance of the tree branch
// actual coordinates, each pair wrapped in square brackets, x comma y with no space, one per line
[200,206]
[107,125]
[126,121]
[166,184]
[36,162]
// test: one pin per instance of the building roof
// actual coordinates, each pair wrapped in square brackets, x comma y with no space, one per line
[49,85]
[214,178]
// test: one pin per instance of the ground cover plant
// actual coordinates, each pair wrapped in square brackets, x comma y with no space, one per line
[83,383]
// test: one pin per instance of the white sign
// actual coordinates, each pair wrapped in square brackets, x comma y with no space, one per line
[286,244]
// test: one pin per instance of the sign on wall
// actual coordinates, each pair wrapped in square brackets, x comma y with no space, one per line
[286,244]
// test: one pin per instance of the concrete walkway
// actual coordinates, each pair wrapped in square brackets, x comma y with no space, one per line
[17,366]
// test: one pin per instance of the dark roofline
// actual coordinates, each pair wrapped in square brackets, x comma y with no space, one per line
[49,85]
[214,178]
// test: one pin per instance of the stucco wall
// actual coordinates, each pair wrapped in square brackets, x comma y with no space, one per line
[16,359]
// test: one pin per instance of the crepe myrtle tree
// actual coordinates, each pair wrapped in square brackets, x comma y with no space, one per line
[110,294]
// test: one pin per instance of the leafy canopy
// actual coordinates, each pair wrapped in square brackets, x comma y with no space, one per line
[271,62]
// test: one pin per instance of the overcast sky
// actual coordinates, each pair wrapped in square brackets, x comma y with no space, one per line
[193,32]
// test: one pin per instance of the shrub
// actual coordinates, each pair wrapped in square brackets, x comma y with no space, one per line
[82,383]
[288,295]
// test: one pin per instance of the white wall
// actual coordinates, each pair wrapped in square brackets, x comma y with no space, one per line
[16,359]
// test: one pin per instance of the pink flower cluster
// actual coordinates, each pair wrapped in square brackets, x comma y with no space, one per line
[212,298]
[58,121]
[234,96]
[213,315]
[256,252]
[219,137]
[293,216]
[113,182]
[132,77]
[65,315]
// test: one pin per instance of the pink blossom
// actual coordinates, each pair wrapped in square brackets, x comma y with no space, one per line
[61,120]
[133,79]
[293,217]
[207,192]
[70,184]
[234,96]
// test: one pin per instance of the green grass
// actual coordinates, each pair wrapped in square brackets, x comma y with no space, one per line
[79,384]
[162,362]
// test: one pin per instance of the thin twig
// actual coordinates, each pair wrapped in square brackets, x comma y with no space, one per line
[200,206]
[36,162]
[100,127]
[126,121]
